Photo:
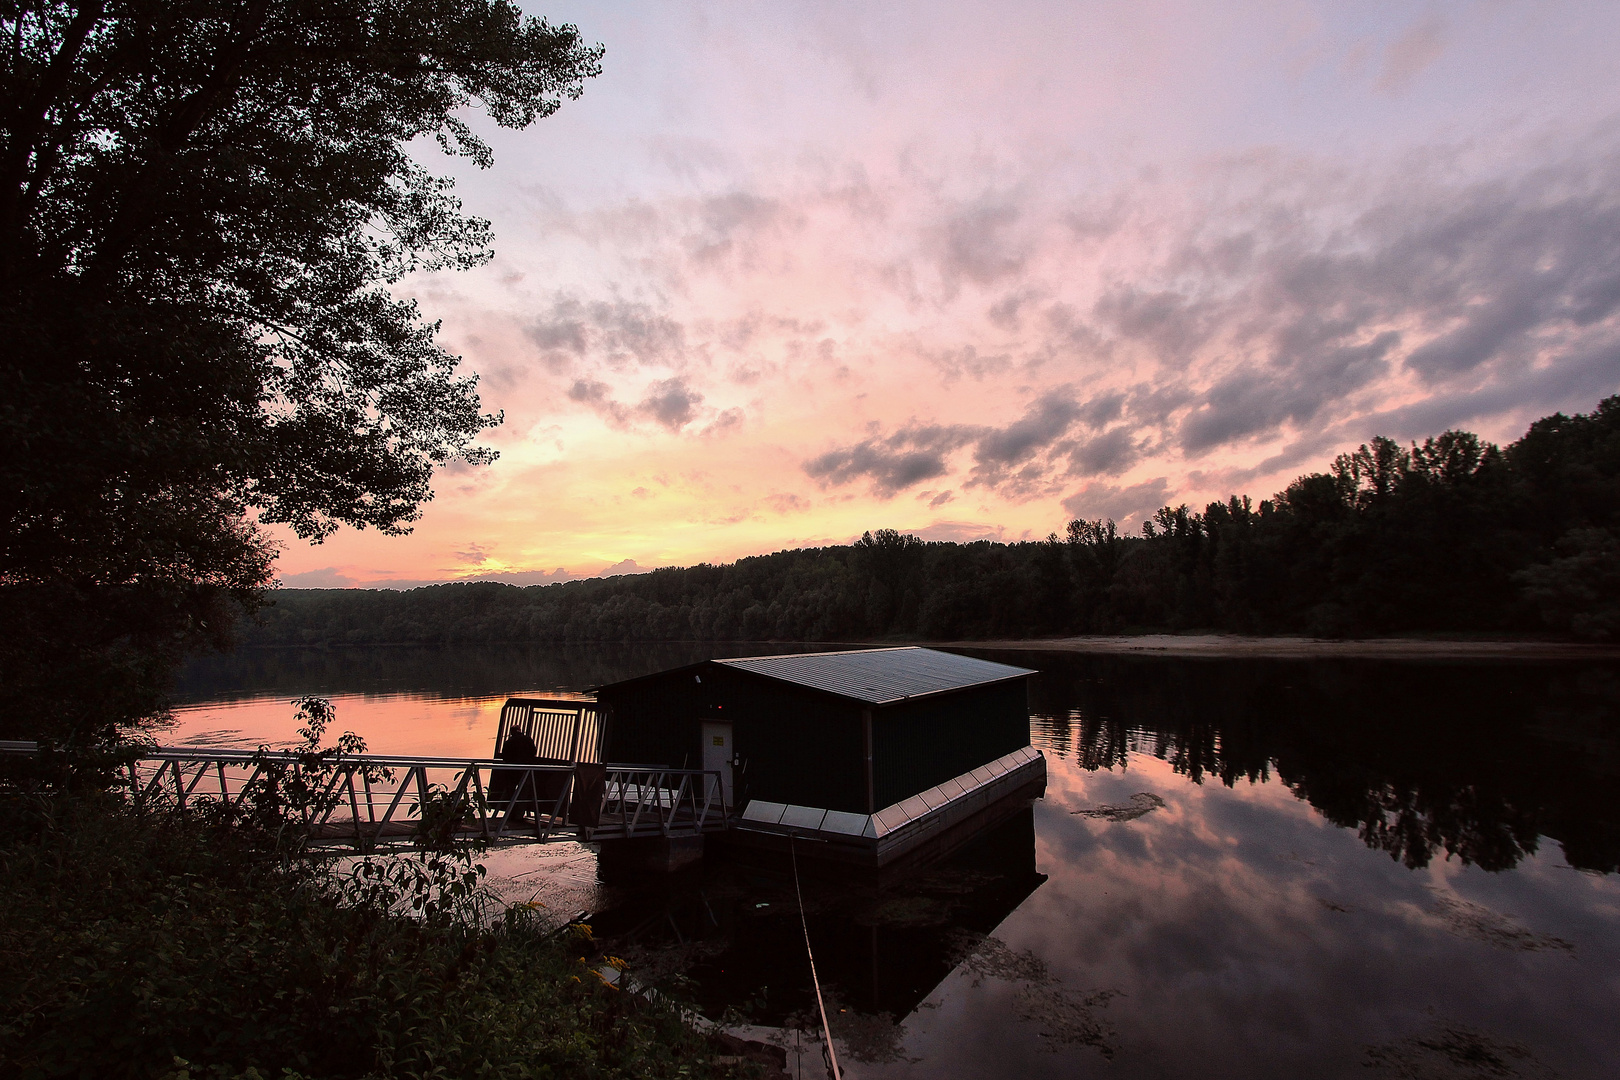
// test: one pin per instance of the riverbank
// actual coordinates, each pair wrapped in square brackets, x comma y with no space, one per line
[190,952]
[1230,646]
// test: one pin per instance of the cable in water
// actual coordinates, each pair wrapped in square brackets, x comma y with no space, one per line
[826,1029]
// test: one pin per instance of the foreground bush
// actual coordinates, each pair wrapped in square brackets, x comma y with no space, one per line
[164,943]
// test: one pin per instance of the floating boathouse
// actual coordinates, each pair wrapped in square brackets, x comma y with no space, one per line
[874,752]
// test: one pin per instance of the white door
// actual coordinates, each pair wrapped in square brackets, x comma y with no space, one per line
[717,753]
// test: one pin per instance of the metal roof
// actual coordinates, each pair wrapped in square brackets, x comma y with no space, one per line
[880,676]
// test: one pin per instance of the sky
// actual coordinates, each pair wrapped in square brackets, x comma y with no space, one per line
[787,272]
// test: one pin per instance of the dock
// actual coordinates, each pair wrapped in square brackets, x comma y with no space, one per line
[874,758]
[933,818]
[369,800]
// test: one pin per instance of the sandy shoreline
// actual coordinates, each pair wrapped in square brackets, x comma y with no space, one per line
[1237,645]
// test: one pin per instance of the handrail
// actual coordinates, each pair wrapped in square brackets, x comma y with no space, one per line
[362,802]
[197,753]
[579,738]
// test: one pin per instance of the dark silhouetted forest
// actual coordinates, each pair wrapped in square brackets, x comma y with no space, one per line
[1450,535]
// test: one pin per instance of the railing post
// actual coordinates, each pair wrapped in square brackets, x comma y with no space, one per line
[534,799]
[641,804]
[327,801]
[565,804]
[483,803]
[354,808]
[460,794]
[404,786]
[675,802]
[298,778]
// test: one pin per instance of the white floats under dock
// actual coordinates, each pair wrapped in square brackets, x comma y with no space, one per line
[881,838]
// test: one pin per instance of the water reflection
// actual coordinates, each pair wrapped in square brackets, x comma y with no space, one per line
[444,671]
[1289,868]
[731,931]
[1276,869]
[1465,761]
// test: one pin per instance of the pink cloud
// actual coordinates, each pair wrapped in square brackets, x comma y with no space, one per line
[1062,265]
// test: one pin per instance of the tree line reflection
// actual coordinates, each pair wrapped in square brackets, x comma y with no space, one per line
[1466,761]
[445,670]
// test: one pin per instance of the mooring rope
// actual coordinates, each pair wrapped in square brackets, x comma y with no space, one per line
[826,1029]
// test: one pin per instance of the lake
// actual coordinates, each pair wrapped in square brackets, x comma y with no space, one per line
[1239,868]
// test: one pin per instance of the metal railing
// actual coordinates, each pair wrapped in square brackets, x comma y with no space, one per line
[645,800]
[560,729]
[372,799]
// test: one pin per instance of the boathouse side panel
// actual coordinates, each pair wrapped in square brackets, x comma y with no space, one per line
[654,721]
[805,726]
[799,747]
[918,744]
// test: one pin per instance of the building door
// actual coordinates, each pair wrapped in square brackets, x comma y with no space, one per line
[717,753]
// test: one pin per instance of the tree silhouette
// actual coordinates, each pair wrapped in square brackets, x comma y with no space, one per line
[202,205]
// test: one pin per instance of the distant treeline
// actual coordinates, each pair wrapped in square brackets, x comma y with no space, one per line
[1454,534]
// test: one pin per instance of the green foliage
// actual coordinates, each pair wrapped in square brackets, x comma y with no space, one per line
[275,807]
[202,207]
[142,940]
[139,944]
[1579,591]
[1449,535]
[441,814]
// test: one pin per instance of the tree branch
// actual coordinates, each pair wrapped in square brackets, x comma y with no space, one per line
[135,213]
[30,121]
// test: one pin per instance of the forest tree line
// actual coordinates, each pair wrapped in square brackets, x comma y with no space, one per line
[1450,535]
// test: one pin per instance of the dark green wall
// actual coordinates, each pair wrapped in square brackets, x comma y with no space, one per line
[654,721]
[918,744]
[800,746]
[808,748]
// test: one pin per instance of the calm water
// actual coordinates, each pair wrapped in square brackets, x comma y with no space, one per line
[1239,868]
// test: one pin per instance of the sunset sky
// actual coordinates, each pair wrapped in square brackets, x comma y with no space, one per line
[787,272]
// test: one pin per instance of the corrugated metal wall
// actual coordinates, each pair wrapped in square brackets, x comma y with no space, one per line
[808,748]
[800,746]
[922,743]
[653,722]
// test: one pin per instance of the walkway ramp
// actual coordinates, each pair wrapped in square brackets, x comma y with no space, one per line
[367,800]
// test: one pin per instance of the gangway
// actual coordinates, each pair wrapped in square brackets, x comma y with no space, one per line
[371,799]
